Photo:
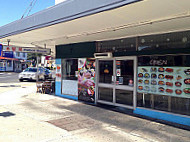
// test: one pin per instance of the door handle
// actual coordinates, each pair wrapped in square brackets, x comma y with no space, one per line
[113,79]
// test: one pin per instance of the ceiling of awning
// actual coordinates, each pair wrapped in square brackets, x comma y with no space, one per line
[142,18]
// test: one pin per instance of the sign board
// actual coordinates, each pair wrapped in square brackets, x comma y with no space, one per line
[27,49]
[7,54]
[164,80]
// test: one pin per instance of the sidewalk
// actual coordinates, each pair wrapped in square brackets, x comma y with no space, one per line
[47,118]
[6,87]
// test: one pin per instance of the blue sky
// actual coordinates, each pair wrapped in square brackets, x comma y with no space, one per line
[12,10]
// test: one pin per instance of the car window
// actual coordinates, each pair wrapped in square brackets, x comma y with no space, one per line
[30,70]
[47,71]
[26,70]
[41,69]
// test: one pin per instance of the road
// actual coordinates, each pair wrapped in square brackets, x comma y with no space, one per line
[9,77]
[12,77]
[9,82]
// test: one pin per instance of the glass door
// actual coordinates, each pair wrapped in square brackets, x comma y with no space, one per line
[116,81]
[105,81]
[125,71]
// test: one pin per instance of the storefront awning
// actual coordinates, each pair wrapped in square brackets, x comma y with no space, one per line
[82,21]
[5,58]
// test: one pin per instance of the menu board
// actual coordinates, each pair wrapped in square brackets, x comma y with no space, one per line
[171,81]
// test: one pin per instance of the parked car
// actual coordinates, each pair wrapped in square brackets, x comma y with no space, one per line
[48,73]
[31,74]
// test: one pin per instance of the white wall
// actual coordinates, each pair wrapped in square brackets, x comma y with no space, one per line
[70,87]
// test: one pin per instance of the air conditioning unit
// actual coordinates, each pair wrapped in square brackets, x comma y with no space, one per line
[103,55]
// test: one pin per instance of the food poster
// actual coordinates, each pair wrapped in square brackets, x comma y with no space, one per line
[86,79]
[172,81]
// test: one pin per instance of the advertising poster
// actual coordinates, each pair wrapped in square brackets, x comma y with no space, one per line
[171,81]
[58,73]
[86,79]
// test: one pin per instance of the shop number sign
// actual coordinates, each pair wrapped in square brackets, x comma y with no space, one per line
[172,81]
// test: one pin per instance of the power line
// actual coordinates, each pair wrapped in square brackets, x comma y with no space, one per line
[29,8]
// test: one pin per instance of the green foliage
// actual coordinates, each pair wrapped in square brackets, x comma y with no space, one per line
[32,56]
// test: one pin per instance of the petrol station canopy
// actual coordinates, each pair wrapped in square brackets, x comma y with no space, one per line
[82,20]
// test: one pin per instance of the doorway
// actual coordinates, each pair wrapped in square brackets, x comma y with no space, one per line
[116,81]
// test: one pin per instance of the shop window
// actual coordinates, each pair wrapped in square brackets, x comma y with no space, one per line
[144,100]
[153,101]
[18,54]
[126,72]
[69,69]
[9,63]
[164,41]
[124,97]
[1,64]
[164,83]
[105,94]
[106,71]
[180,105]
[119,45]
[160,102]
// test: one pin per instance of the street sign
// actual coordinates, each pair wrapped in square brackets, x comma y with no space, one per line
[27,49]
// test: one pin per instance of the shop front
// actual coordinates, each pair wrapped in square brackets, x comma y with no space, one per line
[163,86]
[75,71]
[7,64]
[2,65]
[163,77]
[148,74]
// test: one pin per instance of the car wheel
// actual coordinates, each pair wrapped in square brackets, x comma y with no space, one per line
[45,77]
[21,80]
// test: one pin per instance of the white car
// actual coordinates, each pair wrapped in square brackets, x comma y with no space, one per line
[31,74]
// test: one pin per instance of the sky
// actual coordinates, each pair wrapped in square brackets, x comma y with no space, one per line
[12,10]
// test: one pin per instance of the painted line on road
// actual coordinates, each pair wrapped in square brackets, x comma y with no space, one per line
[5,76]
[6,73]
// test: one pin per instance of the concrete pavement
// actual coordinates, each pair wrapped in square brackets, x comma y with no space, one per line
[26,116]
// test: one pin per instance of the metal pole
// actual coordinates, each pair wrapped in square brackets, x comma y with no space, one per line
[8,40]
[37,68]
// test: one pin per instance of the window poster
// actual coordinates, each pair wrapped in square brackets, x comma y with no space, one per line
[118,72]
[171,81]
[86,79]
[58,72]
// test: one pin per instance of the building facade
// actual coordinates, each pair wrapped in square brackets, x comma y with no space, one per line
[12,61]
[148,74]
[6,60]
[123,53]
[21,64]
